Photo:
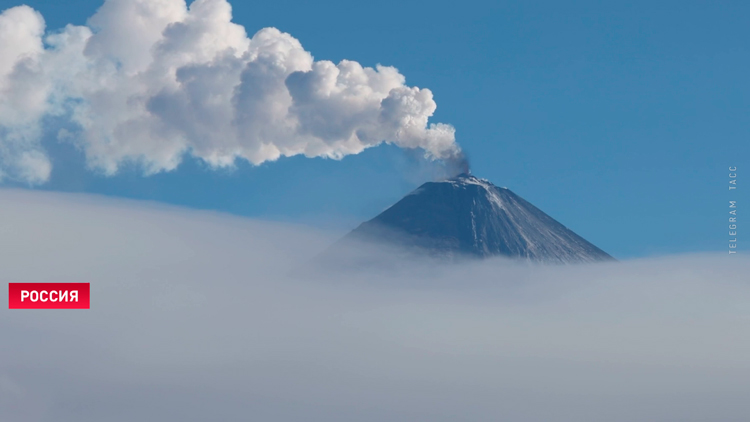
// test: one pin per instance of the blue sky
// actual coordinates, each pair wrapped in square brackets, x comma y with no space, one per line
[619,120]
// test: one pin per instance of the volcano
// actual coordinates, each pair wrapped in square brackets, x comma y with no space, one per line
[471,217]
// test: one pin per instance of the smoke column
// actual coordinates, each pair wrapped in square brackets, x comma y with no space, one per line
[150,81]
[458,163]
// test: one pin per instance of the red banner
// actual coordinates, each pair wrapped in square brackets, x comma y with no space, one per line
[48,295]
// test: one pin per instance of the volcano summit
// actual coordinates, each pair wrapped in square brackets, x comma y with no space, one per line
[468,216]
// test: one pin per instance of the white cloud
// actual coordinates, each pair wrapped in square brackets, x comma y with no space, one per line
[23,94]
[195,317]
[149,81]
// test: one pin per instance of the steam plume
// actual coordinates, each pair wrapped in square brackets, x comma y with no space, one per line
[149,81]
[458,163]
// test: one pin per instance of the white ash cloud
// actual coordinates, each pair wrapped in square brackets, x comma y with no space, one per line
[149,81]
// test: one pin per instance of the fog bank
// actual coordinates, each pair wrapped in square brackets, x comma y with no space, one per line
[194,316]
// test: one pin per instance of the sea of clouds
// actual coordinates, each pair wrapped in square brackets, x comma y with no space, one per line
[200,316]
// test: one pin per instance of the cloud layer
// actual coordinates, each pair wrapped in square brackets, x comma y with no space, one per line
[195,317]
[148,81]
